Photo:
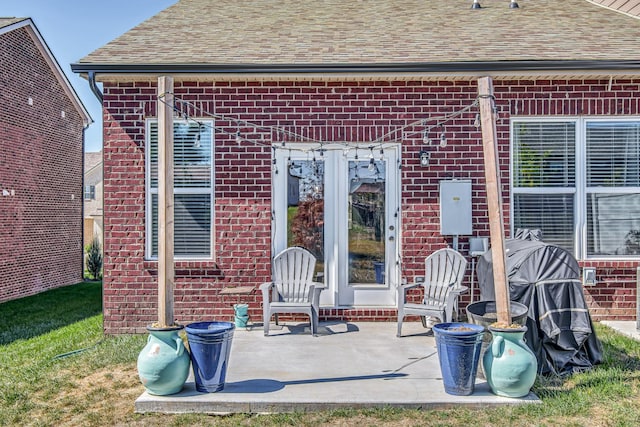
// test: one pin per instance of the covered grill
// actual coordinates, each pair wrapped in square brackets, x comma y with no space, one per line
[546,278]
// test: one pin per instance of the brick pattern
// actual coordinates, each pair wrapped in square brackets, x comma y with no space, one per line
[334,111]
[41,170]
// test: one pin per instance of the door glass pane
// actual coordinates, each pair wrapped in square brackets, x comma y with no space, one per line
[366,222]
[305,209]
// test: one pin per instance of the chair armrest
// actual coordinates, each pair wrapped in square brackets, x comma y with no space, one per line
[314,293]
[406,286]
[266,289]
[266,286]
[402,291]
[459,290]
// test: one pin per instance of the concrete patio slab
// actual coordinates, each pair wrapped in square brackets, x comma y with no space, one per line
[349,365]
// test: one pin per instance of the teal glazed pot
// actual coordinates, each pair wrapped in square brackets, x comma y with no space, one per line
[509,365]
[163,364]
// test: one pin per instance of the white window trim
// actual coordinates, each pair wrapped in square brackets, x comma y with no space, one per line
[150,191]
[581,190]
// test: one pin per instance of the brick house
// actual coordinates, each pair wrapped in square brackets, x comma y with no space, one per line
[42,124]
[360,111]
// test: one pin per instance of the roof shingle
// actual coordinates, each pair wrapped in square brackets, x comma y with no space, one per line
[374,32]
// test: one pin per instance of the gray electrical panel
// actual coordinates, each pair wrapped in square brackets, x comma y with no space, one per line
[455,207]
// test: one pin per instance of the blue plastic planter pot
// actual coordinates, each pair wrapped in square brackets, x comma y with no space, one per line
[459,346]
[210,345]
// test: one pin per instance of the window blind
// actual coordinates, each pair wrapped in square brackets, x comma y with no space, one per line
[612,173]
[193,189]
[613,154]
[544,154]
[544,178]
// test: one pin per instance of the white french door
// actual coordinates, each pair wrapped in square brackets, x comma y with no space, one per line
[342,205]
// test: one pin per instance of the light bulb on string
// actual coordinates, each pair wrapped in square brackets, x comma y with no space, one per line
[372,162]
[443,140]
[476,122]
[196,143]
[275,161]
[238,138]
[425,138]
[381,154]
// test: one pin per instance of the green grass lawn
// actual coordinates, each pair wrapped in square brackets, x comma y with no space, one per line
[57,369]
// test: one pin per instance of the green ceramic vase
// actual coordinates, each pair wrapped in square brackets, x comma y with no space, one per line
[163,364]
[509,365]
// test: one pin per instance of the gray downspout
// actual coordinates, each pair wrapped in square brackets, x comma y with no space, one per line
[94,86]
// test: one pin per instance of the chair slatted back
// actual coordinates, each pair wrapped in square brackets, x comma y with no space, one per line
[443,268]
[293,271]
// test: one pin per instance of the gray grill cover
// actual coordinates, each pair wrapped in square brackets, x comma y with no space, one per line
[546,278]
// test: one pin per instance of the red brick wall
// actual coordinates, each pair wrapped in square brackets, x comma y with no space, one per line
[332,111]
[41,168]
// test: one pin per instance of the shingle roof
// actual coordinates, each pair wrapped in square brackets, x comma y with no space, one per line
[632,7]
[5,21]
[374,32]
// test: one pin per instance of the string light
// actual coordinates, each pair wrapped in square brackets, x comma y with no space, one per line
[443,140]
[196,144]
[443,137]
[372,162]
[182,108]
[275,161]
[476,122]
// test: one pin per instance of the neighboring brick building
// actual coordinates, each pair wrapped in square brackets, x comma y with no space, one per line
[93,188]
[41,151]
[291,100]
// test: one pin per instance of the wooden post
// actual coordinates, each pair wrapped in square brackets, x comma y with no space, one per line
[165,202]
[494,198]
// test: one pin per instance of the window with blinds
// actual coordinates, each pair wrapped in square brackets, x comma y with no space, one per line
[544,179]
[579,182]
[613,187]
[193,189]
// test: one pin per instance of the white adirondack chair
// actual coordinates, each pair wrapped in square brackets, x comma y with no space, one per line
[444,271]
[292,289]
